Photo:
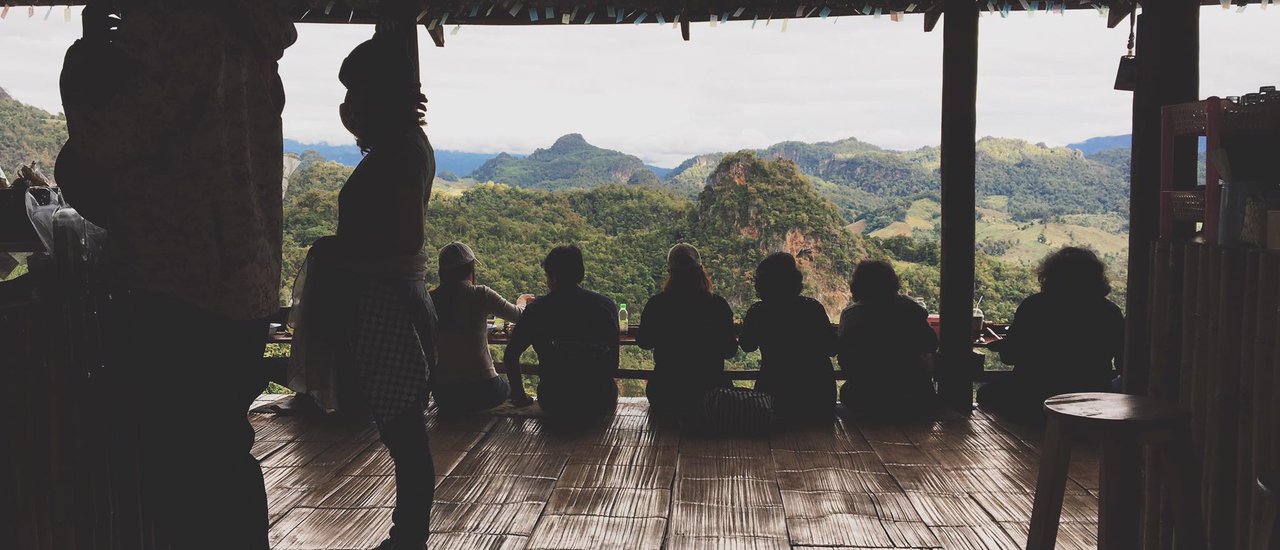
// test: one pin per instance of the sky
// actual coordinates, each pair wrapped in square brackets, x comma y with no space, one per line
[640,89]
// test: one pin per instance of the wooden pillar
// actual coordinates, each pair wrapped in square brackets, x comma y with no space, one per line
[959,120]
[1168,51]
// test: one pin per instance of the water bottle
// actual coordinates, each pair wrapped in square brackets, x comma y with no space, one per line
[623,318]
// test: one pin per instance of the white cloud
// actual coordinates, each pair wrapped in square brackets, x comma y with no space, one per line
[642,90]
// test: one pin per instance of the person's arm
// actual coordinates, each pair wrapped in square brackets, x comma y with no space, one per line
[844,356]
[725,340]
[1011,345]
[828,341]
[495,304]
[647,336]
[522,337]
[749,339]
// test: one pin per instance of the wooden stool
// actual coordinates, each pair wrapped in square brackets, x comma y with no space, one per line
[1123,423]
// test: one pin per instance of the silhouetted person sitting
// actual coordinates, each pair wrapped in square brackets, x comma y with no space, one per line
[796,342]
[690,331]
[885,346]
[1063,339]
[575,334]
[464,380]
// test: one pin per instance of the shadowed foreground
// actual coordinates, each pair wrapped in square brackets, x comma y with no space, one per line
[507,483]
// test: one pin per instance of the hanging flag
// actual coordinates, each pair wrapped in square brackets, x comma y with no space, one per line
[515,9]
[643,16]
[564,19]
[895,16]
[443,18]
[455,30]
[432,26]
[533,14]
[619,15]
[738,12]
[754,18]
[608,10]
[825,12]
[724,17]
[661,20]
[4,12]
[416,20]
[590,16]
[329,7]
[784,25]
[911,8]
[573,14]
[551,12]
[474,10]
[799,11]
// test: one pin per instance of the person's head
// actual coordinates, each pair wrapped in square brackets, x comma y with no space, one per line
[457,263]
[685,271]
[563,267]
[384,97]
[873,280]
[1073,271]
[777,276]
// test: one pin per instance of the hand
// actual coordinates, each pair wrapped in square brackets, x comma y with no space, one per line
[525,299]
[521,399]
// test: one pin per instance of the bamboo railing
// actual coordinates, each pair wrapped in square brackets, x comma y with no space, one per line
[1213,338]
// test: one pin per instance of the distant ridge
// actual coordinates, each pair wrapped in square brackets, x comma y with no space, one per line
[457,162]
[1093,145]
[570,163]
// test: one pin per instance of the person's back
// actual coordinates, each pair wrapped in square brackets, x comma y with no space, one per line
[575,334]
[1063,344]
[464,380]
[691,335]
[1063,339]
[796,342]
[885,342]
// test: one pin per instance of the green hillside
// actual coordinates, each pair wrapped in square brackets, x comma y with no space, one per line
[570,163]
[28,133]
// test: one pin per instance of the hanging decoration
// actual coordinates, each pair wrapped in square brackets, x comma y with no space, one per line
[1127,74]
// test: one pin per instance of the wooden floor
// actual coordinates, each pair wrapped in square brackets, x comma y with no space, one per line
[509,483]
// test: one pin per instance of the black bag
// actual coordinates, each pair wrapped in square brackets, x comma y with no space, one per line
[738,412]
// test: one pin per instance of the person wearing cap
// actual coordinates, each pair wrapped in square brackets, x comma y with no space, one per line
[690,330]
[575,334]
[368,324]
[796,342]
[464,380]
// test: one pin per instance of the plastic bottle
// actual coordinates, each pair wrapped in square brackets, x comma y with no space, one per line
[623,318]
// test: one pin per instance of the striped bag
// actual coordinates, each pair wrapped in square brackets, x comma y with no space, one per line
[738,412]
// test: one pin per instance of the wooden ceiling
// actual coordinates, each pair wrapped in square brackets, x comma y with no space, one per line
[615,12]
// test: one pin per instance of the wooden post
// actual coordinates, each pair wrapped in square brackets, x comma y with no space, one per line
[959,129]
[1168,72]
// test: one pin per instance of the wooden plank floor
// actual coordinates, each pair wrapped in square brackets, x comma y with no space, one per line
[513,483]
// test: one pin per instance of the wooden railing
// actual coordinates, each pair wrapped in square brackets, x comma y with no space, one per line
[1214,341]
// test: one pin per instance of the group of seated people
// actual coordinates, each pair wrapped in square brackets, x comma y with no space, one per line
[1063,339]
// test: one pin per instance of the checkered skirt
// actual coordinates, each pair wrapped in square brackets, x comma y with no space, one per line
[393,345]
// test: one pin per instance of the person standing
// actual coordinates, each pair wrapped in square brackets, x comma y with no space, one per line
[575,334]
[691,333]
[465,380]
[177,150]
[796,342]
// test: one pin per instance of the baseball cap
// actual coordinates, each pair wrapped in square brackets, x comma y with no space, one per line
[456,254]
[683,256]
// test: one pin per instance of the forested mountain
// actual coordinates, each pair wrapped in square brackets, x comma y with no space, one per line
[455,162]
[570,163]
[877,185]
[28,133]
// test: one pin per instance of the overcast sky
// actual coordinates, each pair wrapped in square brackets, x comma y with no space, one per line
[642,90]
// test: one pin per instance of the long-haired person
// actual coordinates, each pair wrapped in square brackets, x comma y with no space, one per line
[796,342]
[1064,339]
[886,346]
[465,381]
[364,298]
[690,330]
